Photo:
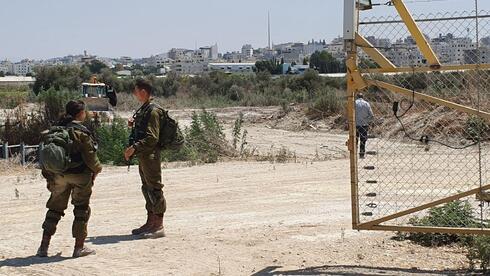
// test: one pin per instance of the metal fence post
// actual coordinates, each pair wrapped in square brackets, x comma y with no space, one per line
[39,149]
[6,150]
[22,154]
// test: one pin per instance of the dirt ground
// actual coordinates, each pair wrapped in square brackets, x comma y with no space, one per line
[229,218]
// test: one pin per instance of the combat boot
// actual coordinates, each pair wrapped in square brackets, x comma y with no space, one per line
[42,251]
[81,250]
[156,228]
[144,228]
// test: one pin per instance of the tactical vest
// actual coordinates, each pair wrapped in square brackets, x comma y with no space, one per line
[141,118]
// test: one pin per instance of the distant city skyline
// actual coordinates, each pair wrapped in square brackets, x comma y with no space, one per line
[50,28]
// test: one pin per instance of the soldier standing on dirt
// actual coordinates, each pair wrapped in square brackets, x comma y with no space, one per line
[145,136]
[364,116]
[77,181]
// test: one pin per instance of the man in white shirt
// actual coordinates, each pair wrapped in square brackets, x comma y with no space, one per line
[364,117]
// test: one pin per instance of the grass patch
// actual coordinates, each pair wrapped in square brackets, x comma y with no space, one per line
[12,98]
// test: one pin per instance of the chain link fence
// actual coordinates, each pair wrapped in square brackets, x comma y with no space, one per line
[424,152]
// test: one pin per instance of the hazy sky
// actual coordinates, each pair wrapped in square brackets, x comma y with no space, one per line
[49,28]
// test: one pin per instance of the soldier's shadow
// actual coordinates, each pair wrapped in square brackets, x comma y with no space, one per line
[32,260]
[111,239]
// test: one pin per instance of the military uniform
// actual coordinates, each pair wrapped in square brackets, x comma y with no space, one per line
[76,181]
[146,134]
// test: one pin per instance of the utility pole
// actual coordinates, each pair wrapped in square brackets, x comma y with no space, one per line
[269,30]
[350,30]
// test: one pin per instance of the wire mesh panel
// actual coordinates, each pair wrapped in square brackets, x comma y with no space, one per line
[426,143]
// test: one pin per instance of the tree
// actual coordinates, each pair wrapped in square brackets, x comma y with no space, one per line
[2,74]
[324,62]
[368,63]
[96,66]
[59,77]
[119,67]
[269,65]
[305,61]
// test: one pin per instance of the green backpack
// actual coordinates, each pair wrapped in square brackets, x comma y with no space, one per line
[170,134]
[55,151]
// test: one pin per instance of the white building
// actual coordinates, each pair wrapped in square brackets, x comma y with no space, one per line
[160,61]
[293,57]
[23,68]
[177,53]
[402,54]
[336,49]
[247,50]
[209,52]
[314,46]
[229,68]
[471,56]
[189,67]
[234,57]
[6,67]
[457,48]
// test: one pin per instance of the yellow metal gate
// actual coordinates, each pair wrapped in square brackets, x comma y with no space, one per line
[427,80]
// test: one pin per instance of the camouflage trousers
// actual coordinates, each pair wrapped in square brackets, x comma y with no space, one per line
[151,177]
[79,186]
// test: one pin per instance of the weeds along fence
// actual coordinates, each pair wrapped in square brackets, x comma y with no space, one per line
[27,153]
[427,80]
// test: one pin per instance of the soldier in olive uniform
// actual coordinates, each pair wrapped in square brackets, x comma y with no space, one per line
[76,181]
[145,137]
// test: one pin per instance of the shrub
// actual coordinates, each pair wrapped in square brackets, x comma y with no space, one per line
[326,102]
[477,129]
[206,137]
[186,153]
[113,140]
[283,155]
[54,102]
[479,251]
[457,214]
[60,77]
[204,141]
[237,129]
[21,126]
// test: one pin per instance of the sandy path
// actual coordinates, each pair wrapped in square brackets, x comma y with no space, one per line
[232,218]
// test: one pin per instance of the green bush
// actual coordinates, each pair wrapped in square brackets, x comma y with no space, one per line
[186,153]
[458,214]
[237,130]
[60,77]
[477,129]
[54,102]
[206,137]
[204,141]
[22,127]
[113,140]
[479,251]
[327,102]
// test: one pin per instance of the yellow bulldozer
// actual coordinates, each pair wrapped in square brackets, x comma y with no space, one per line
[99,97]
